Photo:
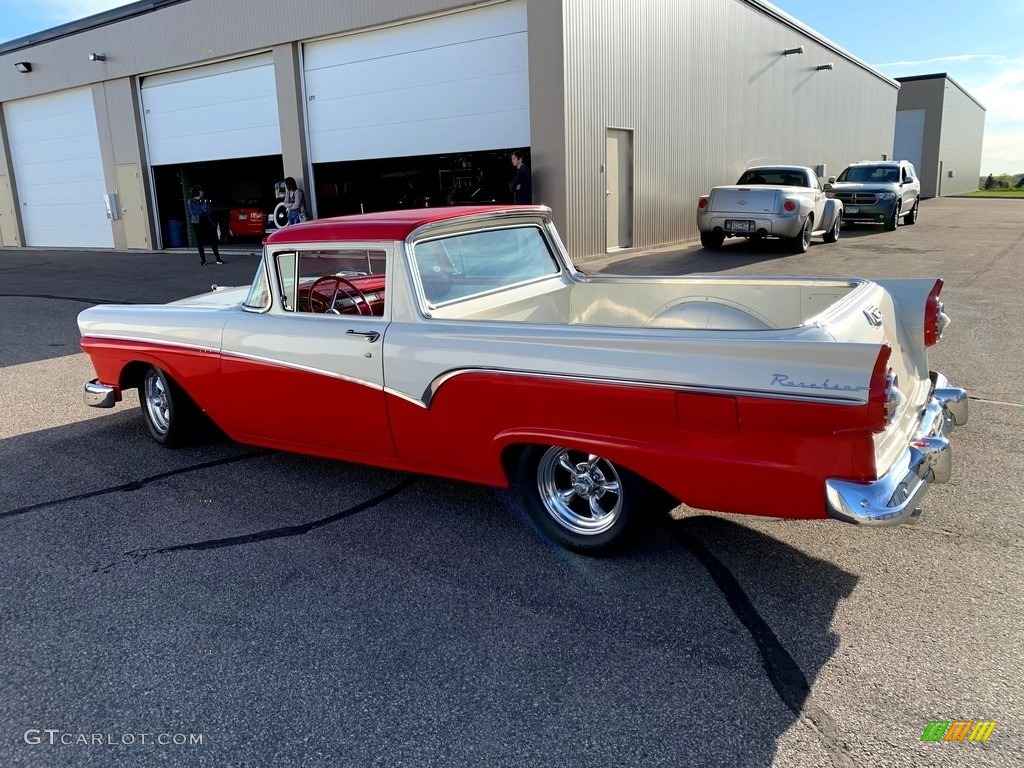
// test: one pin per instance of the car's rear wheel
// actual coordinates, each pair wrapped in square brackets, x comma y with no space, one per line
[912,216]
[894,220]
[579,500]
[168,412]
[711,240]
[802,242]
[833,234]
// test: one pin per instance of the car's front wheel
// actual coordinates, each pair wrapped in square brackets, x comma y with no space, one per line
[711,240]
[579,500]
[168,412]
[912,215]
[833,234]
[894,220]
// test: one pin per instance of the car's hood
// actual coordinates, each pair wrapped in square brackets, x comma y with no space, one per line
[218,297]
[866,186]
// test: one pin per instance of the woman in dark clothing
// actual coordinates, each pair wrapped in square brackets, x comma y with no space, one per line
[201,215]
[521,186]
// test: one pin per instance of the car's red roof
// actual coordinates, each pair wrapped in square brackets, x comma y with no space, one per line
[386,225]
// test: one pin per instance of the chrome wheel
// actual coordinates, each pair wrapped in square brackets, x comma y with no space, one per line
[157,402]
[581,492]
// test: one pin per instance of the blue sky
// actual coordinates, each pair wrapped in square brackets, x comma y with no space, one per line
[979,44]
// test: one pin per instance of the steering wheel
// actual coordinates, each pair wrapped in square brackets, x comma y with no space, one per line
[340,284]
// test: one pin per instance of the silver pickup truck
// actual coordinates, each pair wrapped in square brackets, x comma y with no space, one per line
[783,201]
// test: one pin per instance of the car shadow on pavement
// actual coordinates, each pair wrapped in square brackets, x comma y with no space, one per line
[404,619]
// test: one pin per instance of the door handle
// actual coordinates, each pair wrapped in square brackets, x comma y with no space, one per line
[370,336]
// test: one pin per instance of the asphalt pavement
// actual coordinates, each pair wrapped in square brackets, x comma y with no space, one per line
[220,605]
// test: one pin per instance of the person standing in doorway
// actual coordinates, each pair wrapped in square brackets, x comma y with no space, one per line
[294,202]
[521,186]
[200,212]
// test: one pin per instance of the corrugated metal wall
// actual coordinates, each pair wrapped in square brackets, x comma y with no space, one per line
[192,33]
[706,90]
[963,130]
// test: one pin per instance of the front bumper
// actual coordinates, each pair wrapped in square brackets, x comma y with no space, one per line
[100,395]
[879,213]
[895,497]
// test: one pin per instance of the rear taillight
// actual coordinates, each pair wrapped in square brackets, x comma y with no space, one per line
[884,396]
[702,203]
[789,205]
[935,320]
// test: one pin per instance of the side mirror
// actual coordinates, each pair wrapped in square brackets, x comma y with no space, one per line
[828,184]
[831,179]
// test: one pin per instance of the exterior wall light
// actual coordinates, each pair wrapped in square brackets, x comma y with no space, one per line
[791,51]
[821,67]
[97,57]
[23,66]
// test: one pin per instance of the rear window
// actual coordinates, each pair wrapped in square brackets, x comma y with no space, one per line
[466,265]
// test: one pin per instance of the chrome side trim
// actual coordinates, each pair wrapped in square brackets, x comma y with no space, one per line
[99,395]
[304,368]
[148,340]
[895,497]
[443,378]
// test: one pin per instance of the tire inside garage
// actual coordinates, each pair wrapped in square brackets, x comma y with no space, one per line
[242,185]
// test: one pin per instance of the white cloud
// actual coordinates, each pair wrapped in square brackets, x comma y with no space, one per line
[1003,153]
[963,57]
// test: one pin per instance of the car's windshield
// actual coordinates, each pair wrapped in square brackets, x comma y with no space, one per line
[870,173]
[259,293]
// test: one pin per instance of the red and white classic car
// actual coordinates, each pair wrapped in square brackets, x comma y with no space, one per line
[462,342]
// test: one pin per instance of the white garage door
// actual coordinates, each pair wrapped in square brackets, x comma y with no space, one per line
[909,139]
[215,112]
[55,151]
[454,83]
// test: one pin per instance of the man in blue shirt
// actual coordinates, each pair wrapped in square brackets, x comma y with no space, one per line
[200,213]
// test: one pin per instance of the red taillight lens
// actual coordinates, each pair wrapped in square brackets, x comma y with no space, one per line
[935,320]
[702,203]
[878,391]
[789,205]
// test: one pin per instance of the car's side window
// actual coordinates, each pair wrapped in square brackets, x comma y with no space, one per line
[345,281]
[286,278]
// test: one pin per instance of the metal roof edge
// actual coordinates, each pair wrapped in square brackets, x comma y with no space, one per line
[779,15]
[102,19]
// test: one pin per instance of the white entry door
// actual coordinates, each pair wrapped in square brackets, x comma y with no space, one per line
[619,188]
[58,170]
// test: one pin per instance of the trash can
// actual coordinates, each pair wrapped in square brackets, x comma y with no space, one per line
[175,234]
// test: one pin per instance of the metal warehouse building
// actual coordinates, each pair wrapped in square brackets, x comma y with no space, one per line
[628,110]
[939,128]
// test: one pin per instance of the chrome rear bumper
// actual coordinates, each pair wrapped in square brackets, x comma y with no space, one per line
[895,497]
